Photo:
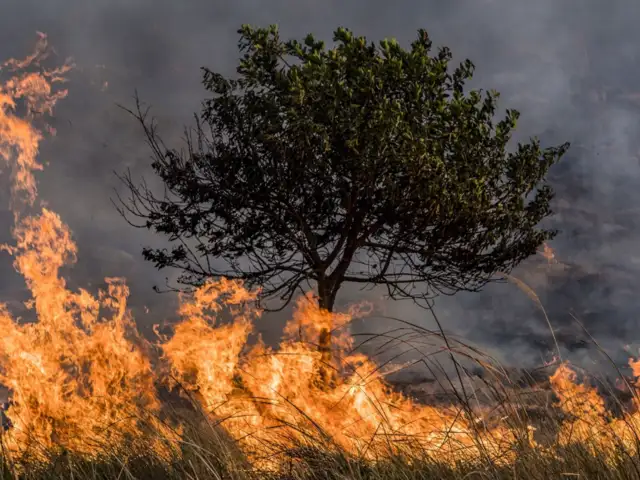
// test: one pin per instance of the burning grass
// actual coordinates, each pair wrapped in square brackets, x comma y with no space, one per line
[91,398]
[582,441]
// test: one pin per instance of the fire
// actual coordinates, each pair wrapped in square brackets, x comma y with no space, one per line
[19,139]
[76,377]
[548,253]
[75,372]
[80,376]
[588,422]
[270,399]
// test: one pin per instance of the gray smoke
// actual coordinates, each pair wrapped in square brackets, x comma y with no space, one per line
[570,67]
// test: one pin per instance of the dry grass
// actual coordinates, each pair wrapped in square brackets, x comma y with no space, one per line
[208,457]
[497,396]
[206,452]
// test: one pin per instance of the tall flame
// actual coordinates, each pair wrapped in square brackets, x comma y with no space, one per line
[76,377]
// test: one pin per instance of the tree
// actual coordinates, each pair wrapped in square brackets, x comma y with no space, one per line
[357,164]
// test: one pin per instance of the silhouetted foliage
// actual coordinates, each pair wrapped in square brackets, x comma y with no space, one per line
[362,163]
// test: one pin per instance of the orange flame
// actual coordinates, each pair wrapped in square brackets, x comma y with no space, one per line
[548,253]
[75,376]
[19,139]
[272,398]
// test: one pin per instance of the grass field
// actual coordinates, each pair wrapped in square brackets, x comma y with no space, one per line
[559,428]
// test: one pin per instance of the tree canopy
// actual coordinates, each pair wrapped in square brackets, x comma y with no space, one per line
[360,163]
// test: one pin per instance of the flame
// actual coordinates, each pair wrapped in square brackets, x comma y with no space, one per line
[75,372]
[271,398]
[81,377]
[76,377]
[548,253]
[589,423]
[19,139]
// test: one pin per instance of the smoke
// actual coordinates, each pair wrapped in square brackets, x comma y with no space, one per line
[570,67]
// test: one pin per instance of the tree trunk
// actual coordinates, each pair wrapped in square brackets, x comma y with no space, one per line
[326,374]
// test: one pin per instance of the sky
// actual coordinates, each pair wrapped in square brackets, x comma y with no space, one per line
[570,67]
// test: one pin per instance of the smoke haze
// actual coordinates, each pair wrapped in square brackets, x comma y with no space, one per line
[570,67]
